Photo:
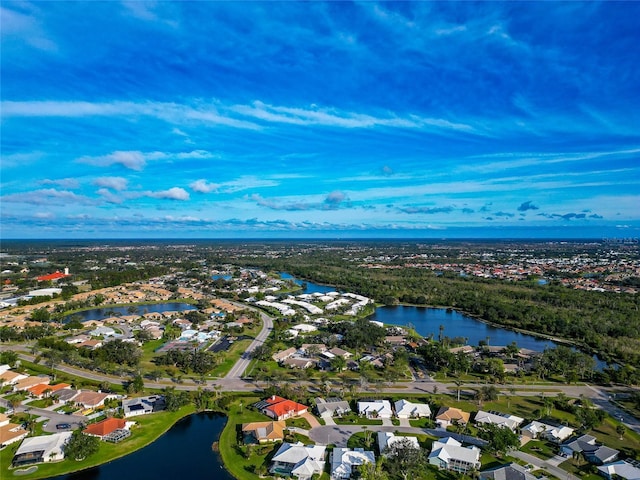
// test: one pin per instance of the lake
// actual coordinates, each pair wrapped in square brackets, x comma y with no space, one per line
[105,312]
[183,452]
[310,286]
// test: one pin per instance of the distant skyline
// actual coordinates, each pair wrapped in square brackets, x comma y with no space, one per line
[320,120]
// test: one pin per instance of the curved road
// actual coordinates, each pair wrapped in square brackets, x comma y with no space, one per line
[237,371]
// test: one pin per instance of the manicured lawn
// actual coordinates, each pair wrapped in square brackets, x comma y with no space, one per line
[298,422]
[241,461]
[148,429]
[581,469]
[231,357]
[356,420]
[540,449]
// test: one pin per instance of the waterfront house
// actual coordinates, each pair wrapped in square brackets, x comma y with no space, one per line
[133,407]
[449,415]
[280,408]
[264,432]
[344,459]
[45,448]
[406,409]
[449,454]
[502,420]
[105,427]
[298,460]
[375,409]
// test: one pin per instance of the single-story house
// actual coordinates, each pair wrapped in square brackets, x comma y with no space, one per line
[105,427]
[280,408]
[89,399]
[344,459]
[511,471]
[45,448]
[66,394]
[10,432]
[387,439]
[299,362]
[103,332]
[284,354]
[406,409]
[502,420]
[553,433]
[448,415]
[624,469]
[264,432]
[319,347]
[9,377]
[29,382]
[592,452]
[43,390]
[142,405]
[298,460]
[449,454]
[332,407]
[375,409]
[339,352]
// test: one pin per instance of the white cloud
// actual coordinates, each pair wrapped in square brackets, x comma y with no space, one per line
[175,193]
[114,183]
[71,183]
[133,160]
[26,28]
[49,196]
[202,186]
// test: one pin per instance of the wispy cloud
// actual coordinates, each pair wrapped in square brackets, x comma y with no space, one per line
[174,193]
[203,186]
[70,183]
[49,196]
[25,28]
[332,201]
[528,205]
[114,183]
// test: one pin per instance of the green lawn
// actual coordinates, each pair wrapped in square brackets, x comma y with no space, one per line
[298,422]
[540,448]
[353,419]
[148,429]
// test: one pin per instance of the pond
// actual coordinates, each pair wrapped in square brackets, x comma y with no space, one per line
[106,312]
[183,452]
[310,287]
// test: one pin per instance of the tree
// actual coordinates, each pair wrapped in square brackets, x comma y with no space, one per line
[404,459]
[501,439]
[621,430]
[80,446]
[372,471]
[136,384]
[338,363]
[41,315]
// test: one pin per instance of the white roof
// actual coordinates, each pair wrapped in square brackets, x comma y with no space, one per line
[343,459]
[509,421]
[404,407]
[387,439]
[297,452]
[380,406]
[623,469]
[46,443]
[449,448]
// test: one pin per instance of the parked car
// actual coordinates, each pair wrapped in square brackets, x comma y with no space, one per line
[63,426]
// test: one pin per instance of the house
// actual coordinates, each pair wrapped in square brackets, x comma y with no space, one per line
[313,347]
[332,407]
[339,352]
[299,362]
[77,339]
[105,427]
[66,394]
[344,459]
[44,390]
[375,409]
[284,354]
[509,421]
[592,452]
[45,448]
[553,433]
[103,332]
[298,460]
[10,432]
[264,432]
[133,407]
[406,409]
[9,377]
[387,439]
[90,344]
[511,471]
[624,469]
[449,415]
[89,399]
[449,454]
[29,382]
[280,408]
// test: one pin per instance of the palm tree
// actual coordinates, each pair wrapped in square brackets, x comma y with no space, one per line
[458,385]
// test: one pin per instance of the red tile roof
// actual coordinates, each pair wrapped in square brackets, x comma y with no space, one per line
[38,390]
[105,427]
[52,276]
[281,406]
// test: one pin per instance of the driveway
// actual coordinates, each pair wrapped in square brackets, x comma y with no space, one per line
[313,421]
[545,465]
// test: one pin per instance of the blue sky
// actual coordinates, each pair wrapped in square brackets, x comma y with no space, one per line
[241,119]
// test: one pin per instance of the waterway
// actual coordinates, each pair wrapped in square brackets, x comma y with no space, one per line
[105,312]
[183,452]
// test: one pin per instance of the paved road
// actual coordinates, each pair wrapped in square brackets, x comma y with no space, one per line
[237,371]
[549,467]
